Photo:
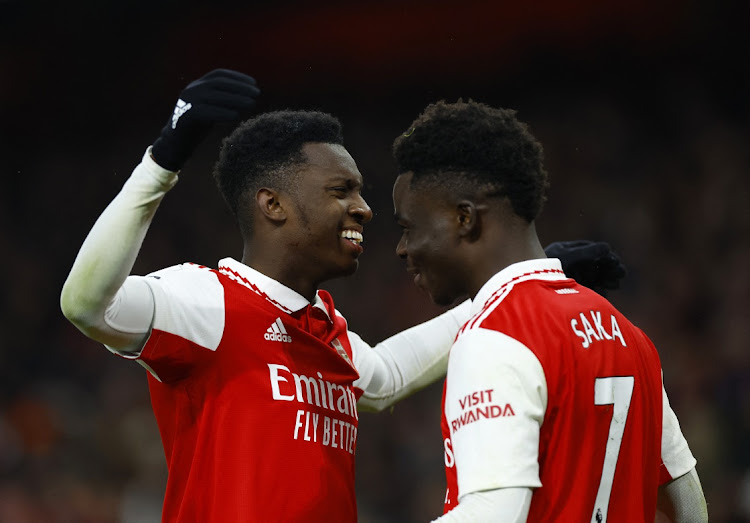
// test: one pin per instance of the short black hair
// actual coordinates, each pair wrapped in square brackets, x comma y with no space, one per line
[266,151]
[474,145]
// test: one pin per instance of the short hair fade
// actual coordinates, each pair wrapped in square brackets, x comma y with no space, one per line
[266,151]
[473,145]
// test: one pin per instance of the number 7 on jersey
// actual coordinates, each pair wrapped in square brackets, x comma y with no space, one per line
[616,391]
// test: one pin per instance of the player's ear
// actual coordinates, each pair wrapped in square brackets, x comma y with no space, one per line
[468,219]
[269,204]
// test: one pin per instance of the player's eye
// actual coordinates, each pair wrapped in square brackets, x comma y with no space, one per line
[339,192]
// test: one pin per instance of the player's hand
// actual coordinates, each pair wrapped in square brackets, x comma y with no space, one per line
[220,96]
[592,264]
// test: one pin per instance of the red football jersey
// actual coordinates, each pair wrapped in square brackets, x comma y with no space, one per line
[252,390]
[549,387]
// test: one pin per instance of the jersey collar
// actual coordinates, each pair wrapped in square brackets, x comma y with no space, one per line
[277,293]
[539,269]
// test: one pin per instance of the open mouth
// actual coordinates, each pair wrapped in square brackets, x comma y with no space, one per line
[354,240]
[353,236]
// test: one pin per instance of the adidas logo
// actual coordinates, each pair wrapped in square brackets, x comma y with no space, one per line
[181,108]
[566,290]
[277,332]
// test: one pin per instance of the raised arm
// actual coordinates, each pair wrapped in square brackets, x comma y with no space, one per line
[94,297]
[98,297]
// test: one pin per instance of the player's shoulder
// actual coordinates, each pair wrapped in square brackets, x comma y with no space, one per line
[186,296]
[484,351]
[185,279]
[183,271]
[531,292]
[549,299]
[513,300]
[190,303]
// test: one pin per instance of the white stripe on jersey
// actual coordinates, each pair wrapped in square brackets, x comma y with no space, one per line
[490,306]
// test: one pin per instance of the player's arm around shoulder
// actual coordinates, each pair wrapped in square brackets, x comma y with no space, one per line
[406,362]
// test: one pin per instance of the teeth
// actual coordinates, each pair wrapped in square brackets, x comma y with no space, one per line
[354,236]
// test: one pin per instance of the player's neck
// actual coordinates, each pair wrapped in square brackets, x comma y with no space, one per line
[275,265]
[495,256]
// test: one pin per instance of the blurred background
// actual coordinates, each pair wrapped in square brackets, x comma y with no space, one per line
[644,113]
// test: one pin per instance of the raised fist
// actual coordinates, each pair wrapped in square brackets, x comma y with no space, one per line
[220,96]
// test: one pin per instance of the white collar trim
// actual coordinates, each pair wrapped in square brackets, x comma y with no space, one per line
[539,269]
[276,293]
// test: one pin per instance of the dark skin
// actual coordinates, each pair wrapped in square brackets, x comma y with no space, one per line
[453,242]
[296,235]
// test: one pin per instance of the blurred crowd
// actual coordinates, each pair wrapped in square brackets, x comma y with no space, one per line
[78,442]
[656,164]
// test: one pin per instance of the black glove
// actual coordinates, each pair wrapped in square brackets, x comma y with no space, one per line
[592,264]
[220,96]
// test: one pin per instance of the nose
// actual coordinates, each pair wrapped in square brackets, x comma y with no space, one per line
[361,210]
[401,248]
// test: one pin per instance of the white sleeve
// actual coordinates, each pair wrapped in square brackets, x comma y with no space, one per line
[683,499]
[406,362]
[131,313]
[510,505]
[93,297]
[189,303]
[675,453]
[495,400]
[185,300]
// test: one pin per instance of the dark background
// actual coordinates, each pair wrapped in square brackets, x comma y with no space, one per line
[644,113]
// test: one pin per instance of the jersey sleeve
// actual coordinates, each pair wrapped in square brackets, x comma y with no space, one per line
[406,362]
[188,319]
[495,400]
[676,458]
[509,505]
[97,296]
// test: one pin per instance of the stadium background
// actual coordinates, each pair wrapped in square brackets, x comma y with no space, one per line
[644,114]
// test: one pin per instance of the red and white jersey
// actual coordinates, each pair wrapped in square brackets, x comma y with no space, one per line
[549,387]
[253,391]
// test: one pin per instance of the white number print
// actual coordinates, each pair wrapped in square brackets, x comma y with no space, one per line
[616,391]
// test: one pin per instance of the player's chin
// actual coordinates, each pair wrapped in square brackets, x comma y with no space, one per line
[352,268]
[348,268]
[438,296]
[442,300]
